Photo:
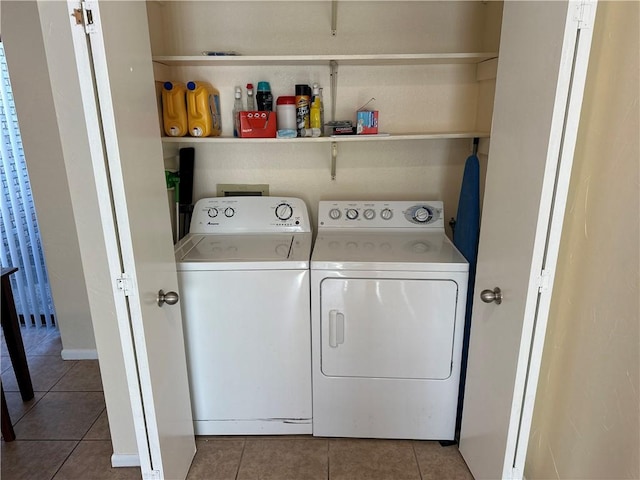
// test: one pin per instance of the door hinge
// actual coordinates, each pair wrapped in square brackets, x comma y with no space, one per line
[583,14]
[544,281]
[84,16]
[123,282]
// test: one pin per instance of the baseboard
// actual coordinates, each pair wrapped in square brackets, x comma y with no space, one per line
[79,354]
[125,460]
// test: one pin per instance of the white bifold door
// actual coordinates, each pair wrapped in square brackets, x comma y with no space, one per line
[544,51]
[113,54]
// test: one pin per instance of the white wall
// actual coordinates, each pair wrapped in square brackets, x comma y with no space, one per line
[586,423]
[37,28]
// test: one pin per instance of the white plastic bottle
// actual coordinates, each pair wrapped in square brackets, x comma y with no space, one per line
[237,108]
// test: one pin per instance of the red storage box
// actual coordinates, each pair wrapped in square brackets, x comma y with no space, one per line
[258,124]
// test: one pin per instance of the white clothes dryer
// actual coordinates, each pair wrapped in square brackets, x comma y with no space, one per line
[388,293]
[243,273]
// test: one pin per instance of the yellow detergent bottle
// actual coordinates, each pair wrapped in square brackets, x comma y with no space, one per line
[174,109]
[203,110]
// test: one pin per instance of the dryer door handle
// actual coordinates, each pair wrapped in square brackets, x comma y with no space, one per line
[336,328]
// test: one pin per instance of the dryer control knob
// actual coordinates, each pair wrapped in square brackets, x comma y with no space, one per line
[229,212]
[334,214]
[212,212]
[386,214]
[422,215]
[369,214]
[284,211]
[352,214]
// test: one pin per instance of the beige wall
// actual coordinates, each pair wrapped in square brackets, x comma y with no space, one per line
[410,98]
[586,421]
[23,41]
[59,162]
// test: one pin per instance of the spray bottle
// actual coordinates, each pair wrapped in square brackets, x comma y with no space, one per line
[251,103]
[237,108]
[317,109]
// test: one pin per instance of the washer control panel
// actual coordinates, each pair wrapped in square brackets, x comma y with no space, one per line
[250,214]
[392,214]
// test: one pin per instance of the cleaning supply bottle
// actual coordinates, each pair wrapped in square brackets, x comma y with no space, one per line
[303,99]
[237,108]
[203,110]
[316,119]
[251,101]
[264,97]
[174,109]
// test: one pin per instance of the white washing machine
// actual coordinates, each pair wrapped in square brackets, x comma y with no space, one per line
[243,272]
[388,293]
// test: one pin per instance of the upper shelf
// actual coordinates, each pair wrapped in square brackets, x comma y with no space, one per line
[373,59]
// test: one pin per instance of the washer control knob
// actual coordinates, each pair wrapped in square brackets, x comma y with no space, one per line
[386,214]
[369,214]
[352,214]
[229,212]
[212,212]
[422,215]
[334,214]
[284,211]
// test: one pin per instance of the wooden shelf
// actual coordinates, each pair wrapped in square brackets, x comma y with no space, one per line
[372,60]
[337,139]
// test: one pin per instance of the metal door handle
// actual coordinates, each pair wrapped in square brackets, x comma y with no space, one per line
[170,298]
[495,295]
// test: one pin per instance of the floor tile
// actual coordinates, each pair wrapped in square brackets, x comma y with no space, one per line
[84,376]
[100,429]
[45,372]
[5,362]
[354,459]
[438,462]
[33,460]
[284,459]
[49,345]
[91,459]
[17,408]
[216,459]
[33,336]
[61,416]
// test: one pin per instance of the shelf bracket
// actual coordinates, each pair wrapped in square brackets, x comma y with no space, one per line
[334,18]
[334,157]
[333,75]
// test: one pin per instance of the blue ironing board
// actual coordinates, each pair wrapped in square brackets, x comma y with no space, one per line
[465,238]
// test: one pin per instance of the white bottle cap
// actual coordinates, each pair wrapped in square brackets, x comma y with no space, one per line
[238,92]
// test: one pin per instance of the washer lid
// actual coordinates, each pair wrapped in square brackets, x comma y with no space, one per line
[387,251]
[241,252]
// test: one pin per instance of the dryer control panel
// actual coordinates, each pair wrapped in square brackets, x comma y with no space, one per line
[230,215]
[381,214]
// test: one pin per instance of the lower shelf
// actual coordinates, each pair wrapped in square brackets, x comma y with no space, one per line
[337,138]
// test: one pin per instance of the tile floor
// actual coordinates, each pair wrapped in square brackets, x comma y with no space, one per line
[63,434]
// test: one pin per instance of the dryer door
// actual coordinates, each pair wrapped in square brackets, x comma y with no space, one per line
[387,328]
